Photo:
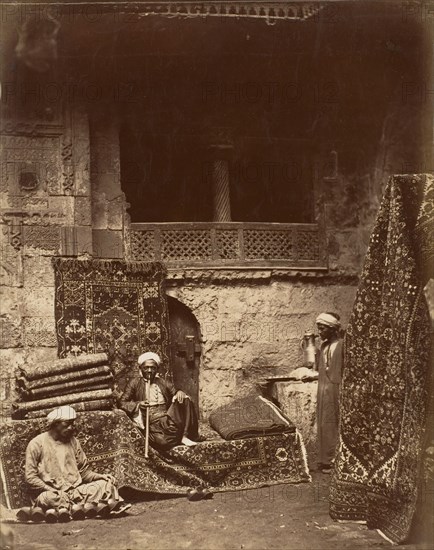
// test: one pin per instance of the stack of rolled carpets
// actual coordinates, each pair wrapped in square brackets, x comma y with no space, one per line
[84,382]
[68,382]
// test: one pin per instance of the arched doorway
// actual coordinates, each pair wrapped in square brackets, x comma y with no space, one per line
[185,349]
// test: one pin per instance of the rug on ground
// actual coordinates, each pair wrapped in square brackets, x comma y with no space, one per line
[384,387]
[115,445]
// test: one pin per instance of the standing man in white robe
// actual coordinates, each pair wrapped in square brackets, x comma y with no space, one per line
[330,358]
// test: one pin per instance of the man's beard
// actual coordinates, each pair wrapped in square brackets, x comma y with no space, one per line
[66,438]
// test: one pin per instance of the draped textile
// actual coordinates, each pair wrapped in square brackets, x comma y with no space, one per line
[387,342]
[249,416]
[114,444]
[111,306]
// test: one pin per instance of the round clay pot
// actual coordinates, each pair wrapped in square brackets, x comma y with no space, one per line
[89,510]
[77,512]
[63,515]
[37,514]
[23,514]
[51,515]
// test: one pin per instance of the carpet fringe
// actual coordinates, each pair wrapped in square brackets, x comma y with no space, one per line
[110,266]
[303,454]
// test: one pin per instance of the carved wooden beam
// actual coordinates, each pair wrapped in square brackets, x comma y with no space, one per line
[295,10]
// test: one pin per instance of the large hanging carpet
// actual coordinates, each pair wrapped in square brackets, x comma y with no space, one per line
[115,445]
[111,306]
[385,379]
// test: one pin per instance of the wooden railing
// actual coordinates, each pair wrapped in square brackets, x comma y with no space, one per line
[233,244]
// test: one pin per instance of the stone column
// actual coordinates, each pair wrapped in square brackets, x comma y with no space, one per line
[220,146]
[221,192]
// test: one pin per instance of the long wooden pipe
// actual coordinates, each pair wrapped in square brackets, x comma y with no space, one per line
[148,396]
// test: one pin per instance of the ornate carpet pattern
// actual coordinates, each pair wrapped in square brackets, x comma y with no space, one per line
[249,416]
[21,409]
[115,445]
[40,372]
[111,306]
[384,397]
[103,404]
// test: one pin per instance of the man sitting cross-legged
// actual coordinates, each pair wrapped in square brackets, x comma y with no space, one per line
[58,473]
[173,419]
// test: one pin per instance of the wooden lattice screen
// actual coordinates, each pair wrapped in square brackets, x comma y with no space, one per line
[231,244]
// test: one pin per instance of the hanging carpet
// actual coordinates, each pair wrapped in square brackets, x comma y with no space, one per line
[114,307]
[385,379]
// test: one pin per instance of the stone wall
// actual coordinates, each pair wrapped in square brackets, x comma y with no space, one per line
[45,198]
[251,329]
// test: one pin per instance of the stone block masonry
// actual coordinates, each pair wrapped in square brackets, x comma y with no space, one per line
[46,211]
[251,331]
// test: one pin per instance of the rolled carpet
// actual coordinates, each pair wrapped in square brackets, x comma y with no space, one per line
[24,384]
[81,362]
[56,390]
[94,405]
[19,409]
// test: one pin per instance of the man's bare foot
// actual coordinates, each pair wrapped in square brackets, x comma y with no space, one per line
[188,442]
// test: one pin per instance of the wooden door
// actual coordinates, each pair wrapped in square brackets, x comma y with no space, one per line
[185,349]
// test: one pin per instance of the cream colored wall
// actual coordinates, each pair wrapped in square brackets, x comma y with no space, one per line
[253,330]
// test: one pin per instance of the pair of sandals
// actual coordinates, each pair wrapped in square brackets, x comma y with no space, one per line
[199,494]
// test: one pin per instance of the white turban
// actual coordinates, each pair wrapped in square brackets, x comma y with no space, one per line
[328,320]
[62,413]
[148,356]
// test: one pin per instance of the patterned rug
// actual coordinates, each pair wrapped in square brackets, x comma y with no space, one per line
[383,400]
[114,445]
[111,306]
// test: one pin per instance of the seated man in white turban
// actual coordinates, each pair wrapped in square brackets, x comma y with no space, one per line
[59,476]
[173,419]
[330,358]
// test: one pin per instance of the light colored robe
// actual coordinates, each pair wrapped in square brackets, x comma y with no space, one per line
[59,474]
[329,378]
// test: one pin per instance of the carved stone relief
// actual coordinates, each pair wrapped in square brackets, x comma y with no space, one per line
[42,237]
[39,331]
[32,165]
[11,265]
